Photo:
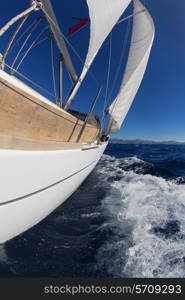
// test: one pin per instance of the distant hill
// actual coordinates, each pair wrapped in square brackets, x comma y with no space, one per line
[144,142]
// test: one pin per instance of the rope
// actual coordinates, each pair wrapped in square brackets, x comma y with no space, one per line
[17,56]
[26,53]
[26,78]
[53,71]
[108,76]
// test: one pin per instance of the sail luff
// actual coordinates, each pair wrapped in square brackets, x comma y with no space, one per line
[48,10]
[141,44]
[101,25]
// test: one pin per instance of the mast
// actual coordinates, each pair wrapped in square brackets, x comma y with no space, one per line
[101,25]
[35,5]
[60,63]
[51,18]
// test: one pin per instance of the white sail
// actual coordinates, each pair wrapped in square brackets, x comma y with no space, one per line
[104,14]
[141,43]
[48,10]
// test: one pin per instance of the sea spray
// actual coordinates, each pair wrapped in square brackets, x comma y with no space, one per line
[143,203]
[3,255]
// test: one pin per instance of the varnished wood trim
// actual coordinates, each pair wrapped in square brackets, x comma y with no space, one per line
[24,116]
[9,142]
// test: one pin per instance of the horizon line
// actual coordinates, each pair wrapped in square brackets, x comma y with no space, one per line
[149,140]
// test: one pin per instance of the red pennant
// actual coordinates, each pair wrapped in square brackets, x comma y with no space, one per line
[78,26]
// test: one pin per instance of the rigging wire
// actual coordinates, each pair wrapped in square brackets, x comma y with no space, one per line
[124,48]
[21,36]
[18,54]
[108,77]
[117,72]
[81,60]
[18,17]
[31,46]
[13,37]
[121,59]
[72,47]
[53,71]
[36,44]
[29,80]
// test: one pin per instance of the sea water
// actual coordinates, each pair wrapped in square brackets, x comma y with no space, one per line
[126,220]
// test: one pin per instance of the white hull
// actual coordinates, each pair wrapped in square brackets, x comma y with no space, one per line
[34,183]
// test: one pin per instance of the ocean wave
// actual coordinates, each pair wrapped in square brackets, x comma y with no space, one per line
[3,256]
[146,213]
[125,220]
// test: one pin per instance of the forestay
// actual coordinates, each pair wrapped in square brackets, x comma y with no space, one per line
[104,14]
[141,43]
[48,10]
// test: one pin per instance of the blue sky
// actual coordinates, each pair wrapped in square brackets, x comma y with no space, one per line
[158,111]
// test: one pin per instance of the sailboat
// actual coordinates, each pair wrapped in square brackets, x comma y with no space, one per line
[46,149]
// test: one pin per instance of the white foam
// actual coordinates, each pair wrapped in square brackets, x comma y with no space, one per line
[3,256]
[146,202]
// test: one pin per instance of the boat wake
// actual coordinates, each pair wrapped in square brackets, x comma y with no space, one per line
[3,256]
[146,216]
[125,220]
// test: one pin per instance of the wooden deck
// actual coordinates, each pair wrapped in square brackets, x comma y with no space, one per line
[8,142]
[25,118]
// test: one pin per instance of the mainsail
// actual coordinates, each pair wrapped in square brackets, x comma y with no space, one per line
[48,10]
[141,44]
[104,14]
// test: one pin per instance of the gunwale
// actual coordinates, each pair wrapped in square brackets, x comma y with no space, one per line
[26,117]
